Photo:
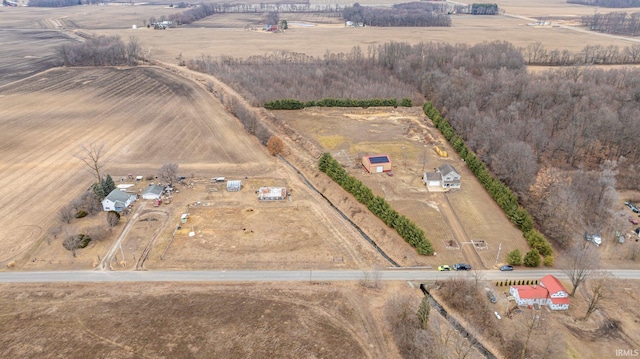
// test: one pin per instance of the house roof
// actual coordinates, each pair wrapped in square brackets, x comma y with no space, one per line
[432,176]
[552,284]
[446,168]
[531,292]
[379,159]
[154,189]
[560,300]
[118,195]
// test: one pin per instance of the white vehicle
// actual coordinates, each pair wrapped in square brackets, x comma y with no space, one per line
[593,238]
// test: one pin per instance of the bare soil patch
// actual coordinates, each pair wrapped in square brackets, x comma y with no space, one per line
[408,137]
[194,320]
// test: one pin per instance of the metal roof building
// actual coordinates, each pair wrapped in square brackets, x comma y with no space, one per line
[234,186]
[272,193]
[377,163]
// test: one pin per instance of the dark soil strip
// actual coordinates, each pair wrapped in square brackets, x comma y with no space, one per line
[484,351]
[364,235]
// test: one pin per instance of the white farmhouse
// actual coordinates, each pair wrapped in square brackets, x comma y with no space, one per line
[117,200]
[445,177]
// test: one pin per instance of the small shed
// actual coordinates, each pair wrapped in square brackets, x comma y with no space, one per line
[272,193]
[183,218]
[153,192]
[139,178]
[377,163]
[234,186]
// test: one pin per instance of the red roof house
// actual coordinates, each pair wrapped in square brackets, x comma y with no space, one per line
[550,292]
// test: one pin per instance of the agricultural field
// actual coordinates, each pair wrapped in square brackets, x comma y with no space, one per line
[156,320]
[144,117]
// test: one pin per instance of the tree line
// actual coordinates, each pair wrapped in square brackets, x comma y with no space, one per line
[619,23]
[409,14]
[293,104]
[537,54]
[100,51]
[376,204]
[61,3]
[607,3]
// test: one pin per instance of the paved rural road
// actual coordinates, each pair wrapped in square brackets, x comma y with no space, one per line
[269,276]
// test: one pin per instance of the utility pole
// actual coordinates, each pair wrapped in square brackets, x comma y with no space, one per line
[498,256]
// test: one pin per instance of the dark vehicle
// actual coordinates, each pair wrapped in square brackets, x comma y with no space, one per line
[492,298]
[461,266]
[506,268]
[632,207]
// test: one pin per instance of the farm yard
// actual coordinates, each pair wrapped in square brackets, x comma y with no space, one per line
[144,117]
[409,140]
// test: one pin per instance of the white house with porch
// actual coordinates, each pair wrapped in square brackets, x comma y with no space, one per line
[445,177]
[118,200]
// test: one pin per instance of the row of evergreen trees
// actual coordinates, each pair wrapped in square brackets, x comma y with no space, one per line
[498,190]
[376,204]
[292,104]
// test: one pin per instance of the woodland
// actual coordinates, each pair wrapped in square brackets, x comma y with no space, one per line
[563,140]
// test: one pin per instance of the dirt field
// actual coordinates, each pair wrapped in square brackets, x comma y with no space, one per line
[302,320]
[402,133]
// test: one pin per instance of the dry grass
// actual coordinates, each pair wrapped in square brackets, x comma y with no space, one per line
[195,320]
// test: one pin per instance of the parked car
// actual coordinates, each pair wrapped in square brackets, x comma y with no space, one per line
[444,268]
[506,268]
[593,238]
[461,266]
[632,207]
[633,220]
[491,296]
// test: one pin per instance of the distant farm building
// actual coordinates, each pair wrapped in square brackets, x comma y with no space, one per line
[153,191]
[234,186]
[377,163]
[272,193]
[117,200]
[445,176]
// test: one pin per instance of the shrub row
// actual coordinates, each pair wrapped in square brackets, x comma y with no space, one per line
[292,104]
[498,190]
[376,204]
[516,282]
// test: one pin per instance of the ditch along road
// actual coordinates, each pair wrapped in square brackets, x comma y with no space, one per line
[280,276]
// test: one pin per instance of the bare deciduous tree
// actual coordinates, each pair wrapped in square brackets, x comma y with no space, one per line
[373,278]
[581,260]
[113,218]
[168,172]
[66,214]
[275,145]
[92,156]
[597,289]
[98,232]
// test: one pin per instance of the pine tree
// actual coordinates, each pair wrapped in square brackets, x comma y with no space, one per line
[108,185]
[99,191]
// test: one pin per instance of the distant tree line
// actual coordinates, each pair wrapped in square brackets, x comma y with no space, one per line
[61,3]
[100,51]
[409,14]
[292,104]
[283,75]
[484,9]
[619,23]
[536,54]
[607,3]
[376,204]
